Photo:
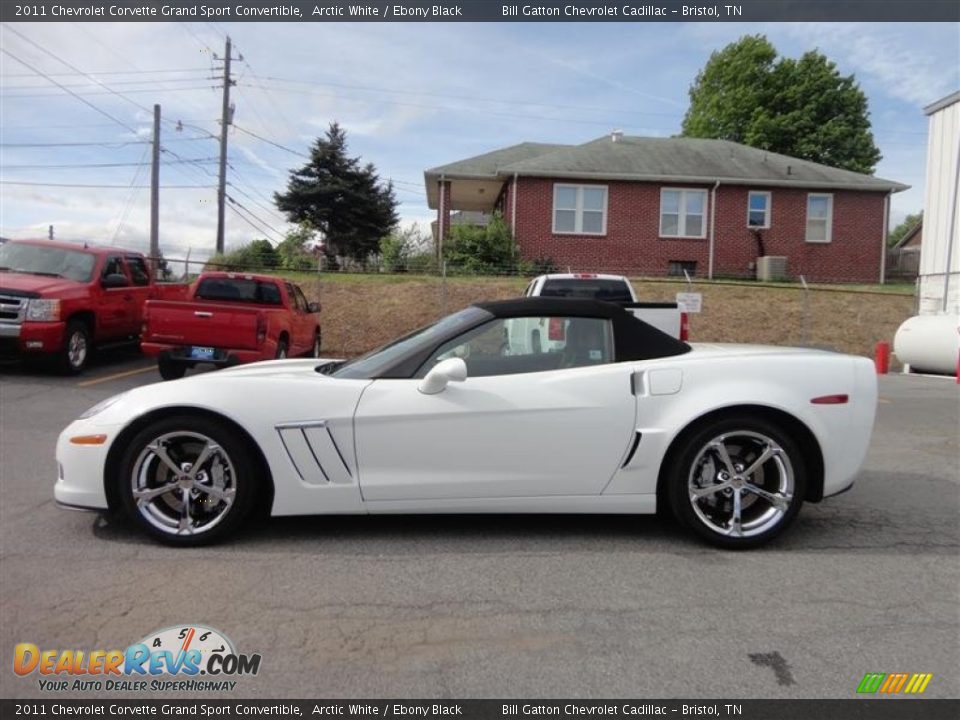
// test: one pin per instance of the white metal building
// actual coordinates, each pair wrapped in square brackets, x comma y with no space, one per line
[940,250]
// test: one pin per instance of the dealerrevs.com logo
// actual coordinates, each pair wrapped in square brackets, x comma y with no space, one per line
[894,683]
[179,658]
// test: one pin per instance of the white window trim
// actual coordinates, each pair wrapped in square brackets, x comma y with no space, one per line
[806,221]
[578,210]
[682,213]
[767,214]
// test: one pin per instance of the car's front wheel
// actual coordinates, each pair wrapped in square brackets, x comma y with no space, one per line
[188,480]
[738,482]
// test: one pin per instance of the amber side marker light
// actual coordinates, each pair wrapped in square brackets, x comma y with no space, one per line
[88,439]
[831,400]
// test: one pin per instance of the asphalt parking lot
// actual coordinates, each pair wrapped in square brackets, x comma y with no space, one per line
[454,607]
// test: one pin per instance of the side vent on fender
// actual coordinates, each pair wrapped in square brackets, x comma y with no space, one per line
[314,453]
[633,449]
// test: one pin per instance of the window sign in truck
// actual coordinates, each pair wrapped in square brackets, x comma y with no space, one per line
[666,317]
[229,319]
[60,299]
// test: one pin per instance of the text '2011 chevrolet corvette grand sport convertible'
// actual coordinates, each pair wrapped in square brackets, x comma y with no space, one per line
[536,405]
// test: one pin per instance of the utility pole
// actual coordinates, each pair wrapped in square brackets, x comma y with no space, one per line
[155,193]
[226,118]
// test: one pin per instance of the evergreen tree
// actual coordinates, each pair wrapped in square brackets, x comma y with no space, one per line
[341,198]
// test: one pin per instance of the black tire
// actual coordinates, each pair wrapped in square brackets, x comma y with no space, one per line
[73,357]
[283,350]
[698,466]
[210,517]
[170,369]
[315,350]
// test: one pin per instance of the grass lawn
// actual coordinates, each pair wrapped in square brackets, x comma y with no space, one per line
[361,312]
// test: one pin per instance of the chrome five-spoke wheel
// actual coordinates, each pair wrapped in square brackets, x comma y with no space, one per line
[183,483]
[187,480]
[739,482]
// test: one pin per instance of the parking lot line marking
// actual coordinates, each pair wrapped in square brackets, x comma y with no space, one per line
[115,376]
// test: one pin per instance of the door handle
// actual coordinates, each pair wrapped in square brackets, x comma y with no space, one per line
[202,313]
[128,298]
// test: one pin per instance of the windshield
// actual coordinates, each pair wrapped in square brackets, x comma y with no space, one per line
[374,363]
[48,261]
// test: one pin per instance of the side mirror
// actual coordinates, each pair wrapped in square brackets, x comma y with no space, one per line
[313,307]
[446,371]
[114,280]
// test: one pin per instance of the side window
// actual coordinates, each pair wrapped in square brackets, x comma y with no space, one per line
[138,270]
[294,298]
[113,266]
[301,299]
[508,346]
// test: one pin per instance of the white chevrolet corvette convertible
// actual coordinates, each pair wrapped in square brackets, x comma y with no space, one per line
[537,405]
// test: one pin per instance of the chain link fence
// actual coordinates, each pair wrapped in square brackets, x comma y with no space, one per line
[365,307]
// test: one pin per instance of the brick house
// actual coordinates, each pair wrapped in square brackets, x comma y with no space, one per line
[658,206]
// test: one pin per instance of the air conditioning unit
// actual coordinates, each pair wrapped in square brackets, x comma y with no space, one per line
[771,267]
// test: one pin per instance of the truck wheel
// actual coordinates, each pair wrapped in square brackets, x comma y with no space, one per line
[281,350]
[170,370]
[76,348]
[315,351]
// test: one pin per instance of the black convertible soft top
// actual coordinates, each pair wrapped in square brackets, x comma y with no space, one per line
[633,338]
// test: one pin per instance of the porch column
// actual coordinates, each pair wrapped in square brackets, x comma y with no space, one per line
[443,214]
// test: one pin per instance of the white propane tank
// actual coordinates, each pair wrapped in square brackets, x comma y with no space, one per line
[929,343]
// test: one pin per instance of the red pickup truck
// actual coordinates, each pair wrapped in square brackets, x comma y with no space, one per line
[59,299]
[229,319]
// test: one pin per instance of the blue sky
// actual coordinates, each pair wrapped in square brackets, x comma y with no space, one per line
[410,96]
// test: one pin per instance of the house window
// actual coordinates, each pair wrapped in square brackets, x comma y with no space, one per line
[682,213]
[758,209]
[819,217]
[580,209]
[676,268]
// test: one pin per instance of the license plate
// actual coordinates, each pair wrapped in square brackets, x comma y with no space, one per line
[202,353]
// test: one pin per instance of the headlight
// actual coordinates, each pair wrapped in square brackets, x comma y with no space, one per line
[101,406]
[43,310]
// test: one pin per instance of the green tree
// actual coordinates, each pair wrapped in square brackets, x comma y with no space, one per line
[400,247]
[294,251]
[344,200]
[901,230]
[803,108]
[476,250]
[257,255]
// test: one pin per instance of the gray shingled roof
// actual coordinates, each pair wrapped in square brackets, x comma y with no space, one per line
[662,160]
[488,164]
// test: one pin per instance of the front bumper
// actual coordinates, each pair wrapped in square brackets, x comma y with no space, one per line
[33,336]
[80,468]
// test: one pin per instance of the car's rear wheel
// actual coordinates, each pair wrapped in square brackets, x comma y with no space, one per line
[281,350]
[188,480]
[76,348]
[738,482]
[315,351]
[171,370]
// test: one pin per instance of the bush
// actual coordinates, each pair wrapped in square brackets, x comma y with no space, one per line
[474,250]
[259,255]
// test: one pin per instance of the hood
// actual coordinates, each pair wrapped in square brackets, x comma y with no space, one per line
[270,368]
[40,284]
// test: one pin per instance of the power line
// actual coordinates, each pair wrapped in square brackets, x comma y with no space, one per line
[249,222]
[250,212]
[115,144]
[121,187]
[158,81]
[112,72]
[94,93]
[133,193]
[269,142]
[99,165]
[68,90]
